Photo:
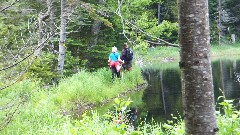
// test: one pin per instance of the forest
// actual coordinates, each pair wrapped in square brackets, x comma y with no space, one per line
[45,45]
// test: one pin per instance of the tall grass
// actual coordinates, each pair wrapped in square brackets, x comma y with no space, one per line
[166,54]
[42,111]
[29,109]
[95,87]
[159,54]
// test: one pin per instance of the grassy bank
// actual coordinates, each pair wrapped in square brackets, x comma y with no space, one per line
[171,54]
[34,110]
[29,109]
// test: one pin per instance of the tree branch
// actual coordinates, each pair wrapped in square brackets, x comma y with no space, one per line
[32,53]
[129,24]
[5,8]
[161,44]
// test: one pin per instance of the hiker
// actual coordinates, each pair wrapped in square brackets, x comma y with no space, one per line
[114,62]
[127,56]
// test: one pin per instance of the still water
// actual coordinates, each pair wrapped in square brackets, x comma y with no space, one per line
[163,96]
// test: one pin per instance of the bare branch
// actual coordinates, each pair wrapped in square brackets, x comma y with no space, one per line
[32,53]
[19,76]
[5,8]
[129,24]
[161,44]
[134,26]
[118,12]
[10,114]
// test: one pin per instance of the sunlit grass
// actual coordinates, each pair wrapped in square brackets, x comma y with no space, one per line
[95,87]
[42,110]
[162,55]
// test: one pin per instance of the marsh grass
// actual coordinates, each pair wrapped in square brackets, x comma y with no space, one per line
[41,115]
[171,54]
[95,87]
[41,109]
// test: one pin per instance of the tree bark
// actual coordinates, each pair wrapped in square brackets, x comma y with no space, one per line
[196,74]
[62,38]
[159,13]
[51,23]
[233,39]
[219,21]
[95,31]
[41,18]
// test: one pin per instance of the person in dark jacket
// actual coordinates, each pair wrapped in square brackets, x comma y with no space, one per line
[127,65]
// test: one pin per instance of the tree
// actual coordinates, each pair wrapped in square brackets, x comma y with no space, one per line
[232,8]
[197,82]
[62,37]
[219,21]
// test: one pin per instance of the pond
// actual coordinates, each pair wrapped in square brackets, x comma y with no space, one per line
[163,97]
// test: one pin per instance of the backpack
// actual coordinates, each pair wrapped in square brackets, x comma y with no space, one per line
[128,54]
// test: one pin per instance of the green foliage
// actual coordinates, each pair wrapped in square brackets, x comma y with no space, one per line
[163,54]
[46,107]
[141,48]
[98,57]
[225,50]
[119,115]
[43,69]
[166,30]
[175,126]
[233,7]
[214,31]
[229,121]
[39,109]
[95,86]
[71,64]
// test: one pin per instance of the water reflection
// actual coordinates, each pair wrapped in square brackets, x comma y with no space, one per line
[163,95]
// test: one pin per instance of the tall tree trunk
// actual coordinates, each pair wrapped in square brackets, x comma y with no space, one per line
[95,31]
[41,18]
[40,33]
[159,13]
[219,21]
[197,82]
[62,37]
[51,24]
[93,39]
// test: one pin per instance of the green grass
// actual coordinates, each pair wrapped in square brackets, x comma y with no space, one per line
[171,54]
[159,54]
[41,110]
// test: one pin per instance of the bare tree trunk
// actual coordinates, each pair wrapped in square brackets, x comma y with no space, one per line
[159,13]
[40,33]
[233,38]
[219,21]
[93,39]
[95,31]
[41,18]
[62,38]
[196,73]
[51,23]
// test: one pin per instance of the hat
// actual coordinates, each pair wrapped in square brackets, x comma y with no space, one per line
[114,49]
